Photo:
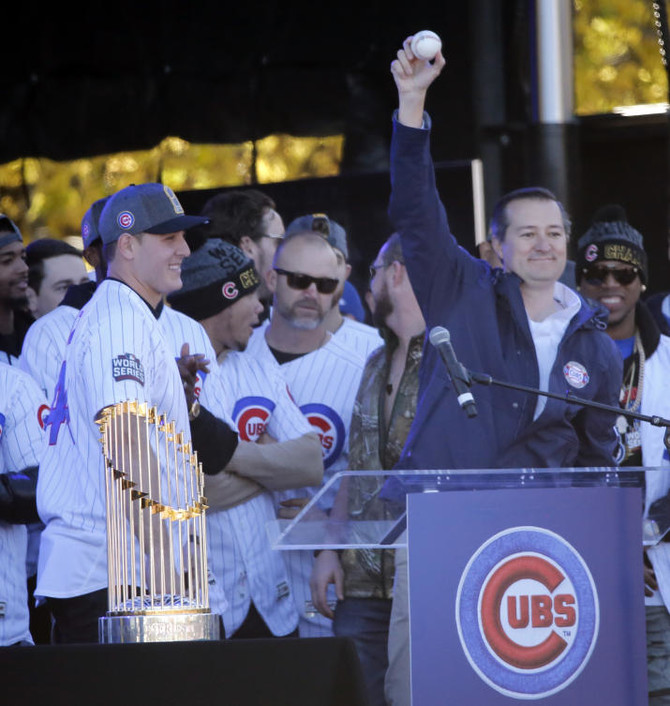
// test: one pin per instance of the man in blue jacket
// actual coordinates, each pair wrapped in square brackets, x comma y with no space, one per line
[516,323]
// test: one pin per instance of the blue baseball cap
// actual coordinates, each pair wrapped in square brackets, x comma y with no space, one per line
[89,223]
[320,223]
[144,208]
[9,233]
[350,302]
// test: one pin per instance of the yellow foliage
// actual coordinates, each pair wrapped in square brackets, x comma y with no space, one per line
[617,60]
[47,198]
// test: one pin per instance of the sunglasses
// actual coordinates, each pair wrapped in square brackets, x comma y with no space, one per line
[596,275]
[295,280]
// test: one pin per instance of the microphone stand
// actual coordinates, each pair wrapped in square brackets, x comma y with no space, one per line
[484,379]
[659,512]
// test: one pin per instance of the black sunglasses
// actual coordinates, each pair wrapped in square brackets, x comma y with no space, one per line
[596,275]
[295,280]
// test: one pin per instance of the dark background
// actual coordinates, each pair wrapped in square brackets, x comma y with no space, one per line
[86,81]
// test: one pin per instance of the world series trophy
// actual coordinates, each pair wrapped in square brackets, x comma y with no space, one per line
[156,531]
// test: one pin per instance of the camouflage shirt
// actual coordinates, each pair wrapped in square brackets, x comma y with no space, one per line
[375,443]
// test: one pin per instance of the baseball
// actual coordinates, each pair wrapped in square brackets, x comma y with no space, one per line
[425,45]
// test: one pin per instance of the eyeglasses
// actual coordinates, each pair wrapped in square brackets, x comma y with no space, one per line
[374,268]
[596,275]
[295,280]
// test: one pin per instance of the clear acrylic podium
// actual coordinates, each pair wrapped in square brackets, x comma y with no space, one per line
[367,509]
[523,583]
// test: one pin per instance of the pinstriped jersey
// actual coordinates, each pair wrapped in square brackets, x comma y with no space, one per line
[257,399]
[116,352]
[44,346]
[179,329]
[358,337]
[324,384]
[22,408]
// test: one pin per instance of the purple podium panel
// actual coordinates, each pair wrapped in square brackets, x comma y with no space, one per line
[528,594]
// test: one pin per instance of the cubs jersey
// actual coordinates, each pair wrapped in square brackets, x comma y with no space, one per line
[358,337]
[22,410]
[44,347]
[116,352]
[179,329]
[324,384]
[257,399]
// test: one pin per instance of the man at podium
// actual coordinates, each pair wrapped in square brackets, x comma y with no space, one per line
[517,323]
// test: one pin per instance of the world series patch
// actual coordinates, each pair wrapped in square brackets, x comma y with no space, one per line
[127,367]
[527,612]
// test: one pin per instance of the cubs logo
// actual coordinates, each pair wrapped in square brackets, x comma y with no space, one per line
[251,415]
[329,426]
[42,414]
[591,253]
[229,290]
[576,374]
[125,219]
[527,612]
[128,367]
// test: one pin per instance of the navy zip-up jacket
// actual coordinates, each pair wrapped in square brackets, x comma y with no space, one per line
[484,312]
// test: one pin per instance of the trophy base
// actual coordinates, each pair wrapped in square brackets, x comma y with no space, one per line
[159,628]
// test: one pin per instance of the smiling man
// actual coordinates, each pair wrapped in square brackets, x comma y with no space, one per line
[116,352]
[15,319]
[612,270]
[517,323]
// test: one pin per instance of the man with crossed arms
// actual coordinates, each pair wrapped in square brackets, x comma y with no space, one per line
[221,292]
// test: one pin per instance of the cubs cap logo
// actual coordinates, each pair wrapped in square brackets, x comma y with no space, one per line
[527,612]
[125,219]
[251,415]
[329,426]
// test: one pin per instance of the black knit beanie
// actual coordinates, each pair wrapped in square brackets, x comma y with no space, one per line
[215,276]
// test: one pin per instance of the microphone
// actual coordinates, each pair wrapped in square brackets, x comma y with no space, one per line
[441,340]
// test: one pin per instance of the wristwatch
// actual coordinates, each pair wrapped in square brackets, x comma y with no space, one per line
[194,411]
